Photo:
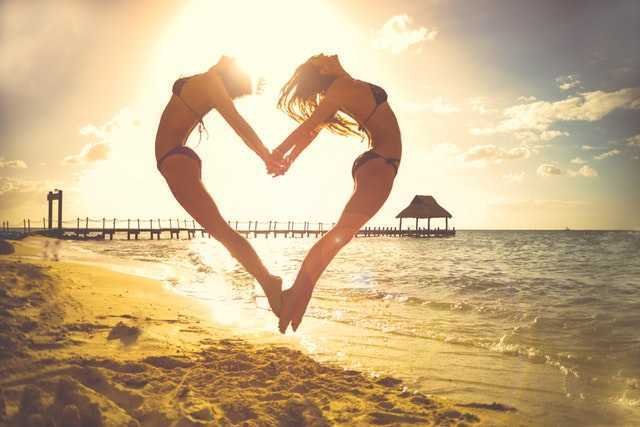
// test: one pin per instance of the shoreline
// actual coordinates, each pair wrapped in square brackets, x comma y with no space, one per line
[87,343]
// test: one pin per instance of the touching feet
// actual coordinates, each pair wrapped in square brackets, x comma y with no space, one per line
[294,304]
[273,291]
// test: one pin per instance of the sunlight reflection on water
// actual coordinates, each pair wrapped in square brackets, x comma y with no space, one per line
[558,307]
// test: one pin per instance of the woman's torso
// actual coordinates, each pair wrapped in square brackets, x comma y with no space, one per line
[189,102]
[373,113]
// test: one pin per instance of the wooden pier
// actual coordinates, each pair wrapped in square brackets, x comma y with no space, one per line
[156,229]
[102,229]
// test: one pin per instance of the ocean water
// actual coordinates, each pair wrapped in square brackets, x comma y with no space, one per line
[545,321]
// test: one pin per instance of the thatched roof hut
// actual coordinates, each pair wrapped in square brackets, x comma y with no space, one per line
[424,207]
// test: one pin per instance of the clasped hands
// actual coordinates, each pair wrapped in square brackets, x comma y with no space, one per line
[278,162]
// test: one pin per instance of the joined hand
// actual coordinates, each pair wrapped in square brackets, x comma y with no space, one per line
[277,164]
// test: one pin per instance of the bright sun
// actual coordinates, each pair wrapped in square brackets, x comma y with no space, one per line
[269,38]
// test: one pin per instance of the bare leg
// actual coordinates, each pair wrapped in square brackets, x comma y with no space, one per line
[373,183]
[183,176]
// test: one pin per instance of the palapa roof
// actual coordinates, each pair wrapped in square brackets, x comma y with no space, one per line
[424,207]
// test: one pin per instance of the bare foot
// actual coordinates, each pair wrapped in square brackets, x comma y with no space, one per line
[294,305]
[288,304]
[302,301]
[273,291]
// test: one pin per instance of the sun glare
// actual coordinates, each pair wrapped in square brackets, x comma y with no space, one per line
[268,38]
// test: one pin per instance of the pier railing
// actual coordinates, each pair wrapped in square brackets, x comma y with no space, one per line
[175,228]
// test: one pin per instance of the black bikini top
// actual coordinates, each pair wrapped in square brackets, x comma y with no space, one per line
[177,85]
[380,96]
[176,90]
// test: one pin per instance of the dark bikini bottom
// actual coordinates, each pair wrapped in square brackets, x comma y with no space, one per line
[370,155]
[180,150]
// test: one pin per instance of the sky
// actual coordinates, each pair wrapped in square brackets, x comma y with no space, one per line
[514,114]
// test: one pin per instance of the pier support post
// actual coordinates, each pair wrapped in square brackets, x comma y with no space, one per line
[50,217]
[60,210]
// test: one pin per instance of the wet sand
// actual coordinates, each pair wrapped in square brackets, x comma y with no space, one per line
[85,346]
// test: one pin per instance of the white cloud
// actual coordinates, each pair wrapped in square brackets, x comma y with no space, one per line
[568,82]
[436,105]
[547,169]
[544,136]
[578,161]
[114,130]
[536,149]
[396,36]
[540,115]
[17,185]
[590,148]
[15,164]
[526,99]
[548,135]
[92,130]
[585,171]
[514,177]
[90,153]
[609,153]
[634,140]
[491,153]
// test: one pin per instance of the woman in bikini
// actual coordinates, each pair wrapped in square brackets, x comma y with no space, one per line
[321,94]
[192,98]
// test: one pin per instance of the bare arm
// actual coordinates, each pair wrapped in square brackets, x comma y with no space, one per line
[304,134]
[224,104]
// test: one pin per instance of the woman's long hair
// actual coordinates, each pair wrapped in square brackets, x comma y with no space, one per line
[300,96]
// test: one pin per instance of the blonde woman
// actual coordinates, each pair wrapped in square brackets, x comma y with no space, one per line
[321,94]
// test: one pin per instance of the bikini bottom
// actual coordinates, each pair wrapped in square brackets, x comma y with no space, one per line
[180,150]
[370,155]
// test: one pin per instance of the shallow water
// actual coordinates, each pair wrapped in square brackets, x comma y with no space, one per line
[545,321]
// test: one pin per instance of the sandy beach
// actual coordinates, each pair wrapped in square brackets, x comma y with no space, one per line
[85,346]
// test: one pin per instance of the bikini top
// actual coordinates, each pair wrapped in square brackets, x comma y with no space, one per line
[380,97]
[176,90]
